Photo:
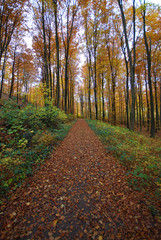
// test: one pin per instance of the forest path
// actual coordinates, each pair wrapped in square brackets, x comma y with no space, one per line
[80,193]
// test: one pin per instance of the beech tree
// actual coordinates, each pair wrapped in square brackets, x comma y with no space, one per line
[131,57]
[11,19]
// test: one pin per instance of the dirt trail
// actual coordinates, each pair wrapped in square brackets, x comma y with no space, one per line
[80,193]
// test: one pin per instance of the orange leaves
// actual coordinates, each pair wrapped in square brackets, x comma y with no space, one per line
[55,222]
[90,199]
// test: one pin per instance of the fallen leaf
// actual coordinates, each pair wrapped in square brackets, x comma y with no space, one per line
[100,238]
[55,222]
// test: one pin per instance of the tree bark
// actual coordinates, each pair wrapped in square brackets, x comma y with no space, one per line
[45,52]
[103,100]
[3,73]
[57,51]
[13,72]
[148,51]
[95,64]
[131,60]
[156,102]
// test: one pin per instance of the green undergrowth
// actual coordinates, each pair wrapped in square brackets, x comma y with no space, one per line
[140,155]
[27,137]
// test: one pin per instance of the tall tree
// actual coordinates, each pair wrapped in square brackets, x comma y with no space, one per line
[71,11]
[55,4]
[148,52]
[131,57]
[45,50]
[11,19]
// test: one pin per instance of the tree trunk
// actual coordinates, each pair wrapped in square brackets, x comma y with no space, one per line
[137,113]
[103,101]
[147,101]
[49,58]
[3,73]
[156,102]
[13,73]
[95,83]
[18,79]
[127,94]
[148,51]
[131,61]
[45,52]
[160,101]
[57,51]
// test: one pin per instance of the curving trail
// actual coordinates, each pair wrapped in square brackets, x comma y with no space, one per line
[80,193]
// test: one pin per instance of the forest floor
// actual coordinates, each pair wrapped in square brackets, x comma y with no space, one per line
[80,193]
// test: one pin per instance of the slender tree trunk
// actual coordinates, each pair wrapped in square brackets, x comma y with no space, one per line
[137,113]
[132,114]
[113,76]
[57,51]
[156,102]
[127,94]
[89,93]
[89,87]
[13,73]
[113,102]
[148,51]
[18,79]
[160,101]
[49,58]
[109,101]
[103,100]
[66,85]
[53,83]
[127,84]
[95,83]
[45,52]
[140,108]
[131,61]
[147,101]
[95,62]
[63,95]
[69,95]
[89,68]
[3,73]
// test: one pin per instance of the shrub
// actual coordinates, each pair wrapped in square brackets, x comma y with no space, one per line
[46,138]
[27,137]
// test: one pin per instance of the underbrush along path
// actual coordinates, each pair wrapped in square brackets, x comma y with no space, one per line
[80,193]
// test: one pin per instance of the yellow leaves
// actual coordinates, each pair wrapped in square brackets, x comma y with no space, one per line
[55,222]
[9,226]
[13,215]
[100,182]
[85,231]
[119,235]
[100,238]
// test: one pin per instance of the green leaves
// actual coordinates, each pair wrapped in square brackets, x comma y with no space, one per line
[29,136]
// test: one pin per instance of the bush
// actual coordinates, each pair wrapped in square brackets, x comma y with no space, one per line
[46,138]
[27,137]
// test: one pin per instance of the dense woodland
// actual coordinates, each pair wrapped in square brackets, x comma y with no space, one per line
[95,59]
[66,59]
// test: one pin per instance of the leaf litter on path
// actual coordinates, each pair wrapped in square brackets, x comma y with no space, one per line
[81,192]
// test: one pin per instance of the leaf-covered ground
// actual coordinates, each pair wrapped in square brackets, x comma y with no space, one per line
[80,193]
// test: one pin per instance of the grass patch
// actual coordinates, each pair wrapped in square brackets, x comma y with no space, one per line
[139,154]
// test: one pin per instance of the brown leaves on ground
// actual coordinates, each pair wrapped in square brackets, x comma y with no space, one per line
[80,193]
